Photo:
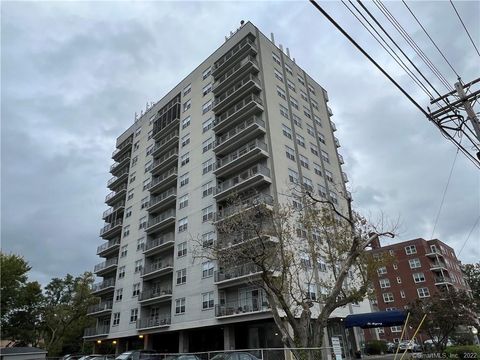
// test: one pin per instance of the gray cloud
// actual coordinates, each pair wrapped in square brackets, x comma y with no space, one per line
[73,74]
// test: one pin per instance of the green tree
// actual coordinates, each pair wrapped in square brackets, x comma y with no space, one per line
[20,301]
[471,273]
[65,312]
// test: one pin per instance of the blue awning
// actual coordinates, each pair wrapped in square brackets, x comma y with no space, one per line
[376,319]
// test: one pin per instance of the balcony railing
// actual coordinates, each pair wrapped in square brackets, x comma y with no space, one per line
[108,245]
[159,198]
[242,177]
[153,243]
[120,161]
[340,158]
[239,128]
[105,264]
[109,227]
[334,127]
[243,307]
[231,112]
[345,177]
[162,217]
[255,144]
[113,208]
[156,181]
[155,293]
[115,178]
[232,73]
[243,205]
[166,139]
[103,285]
[103,306]
[163,158]
[116,192]
[150,322]
[156,266]
[236,272]
[442,280]
[232,52]
[438,264]
[235,91]
[122,146]
[97,331]
[434,253]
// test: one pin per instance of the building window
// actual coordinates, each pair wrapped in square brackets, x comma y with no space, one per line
[146,184]
[138,265]
[187,89]
[180,306]
[300,140]
[399,280]
[384,283]
[187,105]
[149,135]
[149,150]
[144,202]
[184,179]
[182,249]
[325,156]
[294,103]
[307,113]
[310,130]
[207,189]
[334,197]
[304,161]
[317,169]
[116,319]
[148,166]
[414,263]
[207,107]
[314,104]
[292,176]
[287,131]
[423,293]
[395,266]
[322,265]
[185,140]
[284,111]
[318,121]
[181,276]
[303,95]
[291,86]
[123,251]
[183,201]
[402,294]
[411,249]
[207,166]
[136,146]
[130,194]
[134,161]
[278,75]
[118,295]
[207,239]
[281,93]
[314,149]
[128,212]
[136,289]
[207,213]
[329,176]
[121,272]
[142,223]
[132,177]
[207,145]
[140,244]
[182,224]
[311,89]
[186,122]
[206,89]
[395,329]
[321,138]
[290,153]
[382,270]
[206,73]
[207,300]
[388,298]
[185,159]
[300,80]
[311,291]
[207,269]
[297,121]
[133,315]
[126,231]
[322,191]
[307,184]
[288,69]
[138,131]
[207,124]
[418,277]
[276,59]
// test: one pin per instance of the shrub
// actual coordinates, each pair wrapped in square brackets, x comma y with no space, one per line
[376,347]
[462,350]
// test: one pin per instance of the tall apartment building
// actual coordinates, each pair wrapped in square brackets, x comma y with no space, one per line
[248,120]
[419,269]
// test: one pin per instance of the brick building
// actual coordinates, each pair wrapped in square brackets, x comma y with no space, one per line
[419,269]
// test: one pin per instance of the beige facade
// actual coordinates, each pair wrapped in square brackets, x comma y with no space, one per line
[247,120]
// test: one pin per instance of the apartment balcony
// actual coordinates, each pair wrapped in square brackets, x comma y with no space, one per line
[325,95]
[98,331]
[438,266]
[334,127]
[157,269]
[247,130]
[123,148]
[345,177]
[236,275]
[340,159]
[160,130]
[106,267]
[109,247]
[117,167]
[329,110]
[434,254]
[165,161]
[246,239]
[111,230]
[116,195]
[117,180]
[154,296]
[162,201]
[248,65]
[337,142]
[443,280]
[242,307]
[245,47]
[120,206]
[103,287]
[250,105]
[250,153]
[160,222]
[243,205]
[248,84]
[255,176]
[154,322]
[165,143]
[164,181]
[100,309]
[159,244]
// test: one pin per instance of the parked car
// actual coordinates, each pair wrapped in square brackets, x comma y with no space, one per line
[234,356]
[185,357]
[391,347]
[137,355]
[87,357]
[409,346]
[103,357]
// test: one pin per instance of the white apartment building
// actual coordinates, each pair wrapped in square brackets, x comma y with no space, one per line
[248,120]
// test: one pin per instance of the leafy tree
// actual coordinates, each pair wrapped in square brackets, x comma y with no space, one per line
[20,301]
[65,312]
[446,312]
[471,273]
[308,260]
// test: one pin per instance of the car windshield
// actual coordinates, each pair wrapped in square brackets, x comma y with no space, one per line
[219,357]
[124,355]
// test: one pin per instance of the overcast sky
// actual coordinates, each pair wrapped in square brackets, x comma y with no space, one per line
[74,73]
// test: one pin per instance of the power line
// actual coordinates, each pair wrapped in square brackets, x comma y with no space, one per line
[444,193]
[460,18]
[468,236]
[433,42]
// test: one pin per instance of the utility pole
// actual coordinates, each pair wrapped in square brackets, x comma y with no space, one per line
[457,119]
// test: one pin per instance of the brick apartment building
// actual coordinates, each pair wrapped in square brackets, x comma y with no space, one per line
[419,269]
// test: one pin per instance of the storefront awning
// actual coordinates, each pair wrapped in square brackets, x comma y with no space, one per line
[376,319]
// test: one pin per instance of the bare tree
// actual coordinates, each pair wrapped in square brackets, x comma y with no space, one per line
[308,258]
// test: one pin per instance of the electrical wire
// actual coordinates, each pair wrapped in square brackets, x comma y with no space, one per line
[412,43]
[468,236]
[428,35]
[466,30]
[390,51]
[444,193]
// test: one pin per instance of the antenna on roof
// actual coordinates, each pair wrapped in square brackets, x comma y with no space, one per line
[288,52]
[272,37]
[242,22]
